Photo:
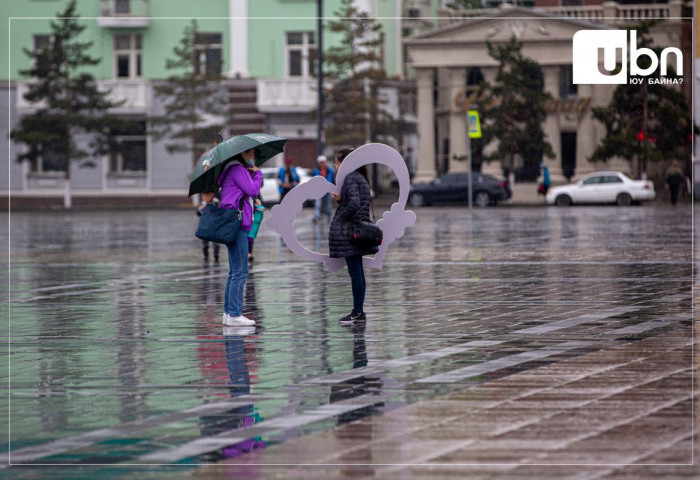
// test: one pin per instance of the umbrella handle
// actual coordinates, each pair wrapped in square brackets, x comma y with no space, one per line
[221,138]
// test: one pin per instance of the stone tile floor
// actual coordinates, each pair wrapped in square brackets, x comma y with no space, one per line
[505,343]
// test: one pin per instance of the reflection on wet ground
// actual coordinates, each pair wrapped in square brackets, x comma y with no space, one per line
[496,341]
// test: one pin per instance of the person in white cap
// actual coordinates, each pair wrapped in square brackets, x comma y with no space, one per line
[326,172]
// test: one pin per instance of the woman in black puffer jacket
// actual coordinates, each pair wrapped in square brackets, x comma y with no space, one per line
[353,202]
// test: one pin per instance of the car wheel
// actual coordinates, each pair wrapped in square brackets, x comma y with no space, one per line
[416,200]
[624,200]
[482,199]
[562,201]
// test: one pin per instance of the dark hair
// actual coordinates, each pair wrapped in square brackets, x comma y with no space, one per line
[340,156]
[239,156]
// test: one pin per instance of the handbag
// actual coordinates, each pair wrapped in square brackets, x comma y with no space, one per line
[220,225]
[363,233]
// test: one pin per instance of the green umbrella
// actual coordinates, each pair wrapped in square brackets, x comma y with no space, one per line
[212,162]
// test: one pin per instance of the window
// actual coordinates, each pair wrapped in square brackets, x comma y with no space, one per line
[51,158]
[592,181]
[414,12]
[611,179]
[474,76]
[122,7]
[209,60]
[301,54]
[41,44]
[127,56]
[567,87]
[130,154]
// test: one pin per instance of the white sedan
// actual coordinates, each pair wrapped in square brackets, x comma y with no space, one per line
[602,187]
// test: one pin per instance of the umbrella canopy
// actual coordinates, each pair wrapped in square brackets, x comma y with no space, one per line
[212,162]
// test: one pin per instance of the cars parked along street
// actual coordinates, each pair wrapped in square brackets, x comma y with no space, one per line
[453,188]
[602,187]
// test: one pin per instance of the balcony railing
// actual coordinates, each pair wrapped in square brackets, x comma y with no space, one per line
[291,94]
[136,95]
[610,13]
[124,14]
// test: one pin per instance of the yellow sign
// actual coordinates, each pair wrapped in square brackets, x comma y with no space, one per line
[473,124]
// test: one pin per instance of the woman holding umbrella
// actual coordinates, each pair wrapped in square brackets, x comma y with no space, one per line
[241,179]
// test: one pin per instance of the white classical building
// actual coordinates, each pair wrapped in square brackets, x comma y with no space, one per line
[449,60]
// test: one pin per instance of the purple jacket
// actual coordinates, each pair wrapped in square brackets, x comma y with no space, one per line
[235,182]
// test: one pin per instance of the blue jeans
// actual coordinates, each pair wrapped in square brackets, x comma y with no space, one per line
[237,274]
[325,202]
[357,278]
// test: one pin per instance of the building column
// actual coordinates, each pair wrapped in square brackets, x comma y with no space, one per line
[238,39]
[586,137]
[551,127]
[426,125]
[458,121]
[609,12]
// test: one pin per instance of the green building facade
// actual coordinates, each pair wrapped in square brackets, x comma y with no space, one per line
[265,50]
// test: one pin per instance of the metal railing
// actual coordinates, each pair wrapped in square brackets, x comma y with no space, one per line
[608,12]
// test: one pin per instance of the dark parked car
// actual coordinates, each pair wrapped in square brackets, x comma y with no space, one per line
[452,188]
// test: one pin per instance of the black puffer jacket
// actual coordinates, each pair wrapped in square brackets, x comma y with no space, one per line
[354,203]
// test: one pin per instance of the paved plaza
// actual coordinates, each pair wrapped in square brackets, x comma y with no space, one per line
[507,343]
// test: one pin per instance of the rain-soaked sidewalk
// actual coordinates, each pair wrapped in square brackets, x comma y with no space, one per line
[511,343]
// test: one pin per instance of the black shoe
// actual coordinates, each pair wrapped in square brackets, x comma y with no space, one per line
[353,317]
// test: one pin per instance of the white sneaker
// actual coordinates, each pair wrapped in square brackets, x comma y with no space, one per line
[238,331]
[239,321]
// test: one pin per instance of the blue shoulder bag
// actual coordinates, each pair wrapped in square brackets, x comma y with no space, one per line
[220,225]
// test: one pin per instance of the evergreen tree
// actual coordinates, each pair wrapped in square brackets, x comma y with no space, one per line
[465,4]
[68,102]
[353,106]
[650,121]
[515,112]
[194,105]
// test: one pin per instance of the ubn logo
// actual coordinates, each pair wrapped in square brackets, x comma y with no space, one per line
[613,44]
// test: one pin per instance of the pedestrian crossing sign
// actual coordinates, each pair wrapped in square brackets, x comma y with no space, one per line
[473,124]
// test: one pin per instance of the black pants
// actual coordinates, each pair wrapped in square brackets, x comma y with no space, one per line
[674,188]
[357,278]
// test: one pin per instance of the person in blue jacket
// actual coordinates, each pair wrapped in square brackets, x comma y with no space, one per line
[546,180]
[288,178]
[328,173]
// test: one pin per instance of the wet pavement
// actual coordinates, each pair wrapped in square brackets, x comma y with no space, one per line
[514,343]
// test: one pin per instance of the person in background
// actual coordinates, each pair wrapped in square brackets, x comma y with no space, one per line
[240,182]
[674,179]
[546,180]
[353,202]
[288,177]
[323,203]
[205,243]
[251,240]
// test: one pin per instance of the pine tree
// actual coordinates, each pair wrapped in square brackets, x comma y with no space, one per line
[650,122]
[353,106]
[194,105]
[68,101]
[465,4]
[516,115]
